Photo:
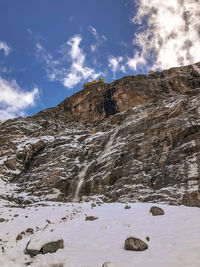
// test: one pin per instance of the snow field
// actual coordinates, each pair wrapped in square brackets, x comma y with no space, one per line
[174,237]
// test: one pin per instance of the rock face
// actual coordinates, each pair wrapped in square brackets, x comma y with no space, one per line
[135,244]
[136,139]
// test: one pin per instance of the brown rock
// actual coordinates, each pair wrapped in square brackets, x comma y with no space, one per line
[135,244]
[155,211]
[11,164]
[127,207]
[30,231]
[91,218]
[19,237]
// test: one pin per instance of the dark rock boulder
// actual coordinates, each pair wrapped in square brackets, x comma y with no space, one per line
[29,231]
[135,244]
[156,211]
[52,247]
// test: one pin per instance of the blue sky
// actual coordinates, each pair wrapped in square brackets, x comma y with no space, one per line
[49,48]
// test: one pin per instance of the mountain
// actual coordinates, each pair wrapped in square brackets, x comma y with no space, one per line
[135,139]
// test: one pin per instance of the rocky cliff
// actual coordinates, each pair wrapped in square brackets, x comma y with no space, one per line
[135,139]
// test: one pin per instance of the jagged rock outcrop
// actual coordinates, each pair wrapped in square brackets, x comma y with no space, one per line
[135,139]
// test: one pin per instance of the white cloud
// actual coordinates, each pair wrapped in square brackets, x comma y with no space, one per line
[98,38]
[115,63]
[93,47]
[77,71]
[5,48]
[135,61]
[171,36]
[13,100]
[93,31]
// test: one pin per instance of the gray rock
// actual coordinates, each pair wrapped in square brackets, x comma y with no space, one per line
[156,211]
[52,247]
[135,244]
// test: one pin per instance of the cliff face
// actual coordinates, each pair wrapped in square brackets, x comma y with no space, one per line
[135,139]
[99,101]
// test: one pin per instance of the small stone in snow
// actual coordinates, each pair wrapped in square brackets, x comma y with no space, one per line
[30,231]
[28,263]
[91,218]
[127,207]
[19,237]
[2,220]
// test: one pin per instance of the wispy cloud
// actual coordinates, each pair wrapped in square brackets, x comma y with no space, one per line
[72,54]
[13,100]
[5,48]
[171,36]
[116,64]
[78,70]
[99,39]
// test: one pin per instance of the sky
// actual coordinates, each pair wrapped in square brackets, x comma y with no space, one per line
[50,48]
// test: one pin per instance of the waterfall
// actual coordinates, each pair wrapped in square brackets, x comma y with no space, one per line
[81,177]
[107,148]
[101,156]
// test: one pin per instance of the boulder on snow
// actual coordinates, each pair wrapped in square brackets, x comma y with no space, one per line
[52,247]
[49,247]
[2,220]
[155,211]
[135,244]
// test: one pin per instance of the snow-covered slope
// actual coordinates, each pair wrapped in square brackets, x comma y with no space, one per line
[174,237]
